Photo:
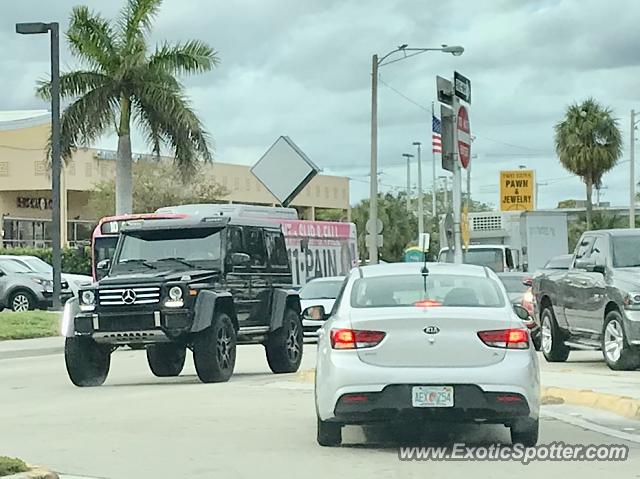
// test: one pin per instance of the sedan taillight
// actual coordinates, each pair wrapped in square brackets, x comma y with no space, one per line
[506,338]
[355,338]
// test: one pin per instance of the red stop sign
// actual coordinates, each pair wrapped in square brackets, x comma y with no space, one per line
[464,136]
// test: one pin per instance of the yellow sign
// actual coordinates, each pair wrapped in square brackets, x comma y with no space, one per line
[464,226]
[517,190]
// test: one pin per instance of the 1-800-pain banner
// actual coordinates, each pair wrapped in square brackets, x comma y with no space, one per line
[314,258]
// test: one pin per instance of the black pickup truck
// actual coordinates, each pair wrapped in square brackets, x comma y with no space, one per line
[595,304]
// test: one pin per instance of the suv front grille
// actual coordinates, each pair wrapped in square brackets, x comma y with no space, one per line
[129,296]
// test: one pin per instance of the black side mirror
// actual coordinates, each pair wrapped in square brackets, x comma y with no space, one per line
[240,259]
[315,313]
[521,312]
[599,268]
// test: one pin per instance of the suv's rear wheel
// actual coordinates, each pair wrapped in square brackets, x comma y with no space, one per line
[214,350]
[618,354]
[284,346]
[166,360]
[87,361]
[553,346]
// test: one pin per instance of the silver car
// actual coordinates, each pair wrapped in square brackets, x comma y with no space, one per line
[413,343]
[318,292]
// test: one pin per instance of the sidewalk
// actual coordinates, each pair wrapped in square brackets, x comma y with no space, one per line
[24,348]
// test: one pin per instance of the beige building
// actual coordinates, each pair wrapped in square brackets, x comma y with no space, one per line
[25,184]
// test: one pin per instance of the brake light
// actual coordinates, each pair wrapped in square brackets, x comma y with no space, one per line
[427,303]
[355,338]
[506,338]
[355,398]
[507,398]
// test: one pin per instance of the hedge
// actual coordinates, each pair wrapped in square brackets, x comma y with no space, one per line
[74,260]
[11,465]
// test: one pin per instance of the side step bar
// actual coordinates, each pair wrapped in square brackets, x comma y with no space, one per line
[590,346]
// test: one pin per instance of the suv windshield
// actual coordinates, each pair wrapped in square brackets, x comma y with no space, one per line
[178,249]
[320,290]
[14,266]
[441,290]
[626,251]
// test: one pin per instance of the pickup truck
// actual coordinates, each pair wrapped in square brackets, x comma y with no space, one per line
[595,304]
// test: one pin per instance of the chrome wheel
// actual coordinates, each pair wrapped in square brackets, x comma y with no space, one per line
[547,335]
[20,302]
[293,342]
[613,341]
[224,346]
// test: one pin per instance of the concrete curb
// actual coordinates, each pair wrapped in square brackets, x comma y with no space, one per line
[624,406]
[29,353]
[34,473]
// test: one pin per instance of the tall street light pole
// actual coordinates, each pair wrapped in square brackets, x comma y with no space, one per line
[56,164]
[408,157]
[420,198]
[632,172]
[376,63]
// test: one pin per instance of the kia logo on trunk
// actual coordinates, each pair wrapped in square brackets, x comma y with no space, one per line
[432,330]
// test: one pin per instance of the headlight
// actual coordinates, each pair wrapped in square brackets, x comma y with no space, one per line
[175,293]
[632,300]
[88,297]
[45,283]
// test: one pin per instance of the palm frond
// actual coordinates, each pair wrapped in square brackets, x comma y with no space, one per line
[74,84]
[135,21]
[189,57]
[91,38]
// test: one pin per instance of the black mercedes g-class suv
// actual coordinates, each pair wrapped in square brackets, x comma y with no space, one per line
[205,284]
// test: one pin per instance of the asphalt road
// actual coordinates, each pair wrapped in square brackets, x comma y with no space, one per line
[257,425]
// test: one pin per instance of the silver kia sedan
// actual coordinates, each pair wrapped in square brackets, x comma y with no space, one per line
[414,343]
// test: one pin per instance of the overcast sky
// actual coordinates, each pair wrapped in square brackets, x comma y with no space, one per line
[302,68]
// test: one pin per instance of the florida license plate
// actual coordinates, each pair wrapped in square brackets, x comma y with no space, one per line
[432,396]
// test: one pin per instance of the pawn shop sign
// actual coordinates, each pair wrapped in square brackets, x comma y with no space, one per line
[464,135]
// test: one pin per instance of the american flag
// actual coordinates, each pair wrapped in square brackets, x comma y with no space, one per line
[436,128]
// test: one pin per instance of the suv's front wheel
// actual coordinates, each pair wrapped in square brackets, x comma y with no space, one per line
[284,346]
[87,361]
[214,350]
[166,360]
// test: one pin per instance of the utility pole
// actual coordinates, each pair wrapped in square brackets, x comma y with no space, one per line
[632,173]
[468,188]
[457,194]
[420,198]
[434,210]
[408,157]
[373,196]
[445,199]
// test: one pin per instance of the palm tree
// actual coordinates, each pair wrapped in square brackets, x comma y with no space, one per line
[123,81]
[588,143]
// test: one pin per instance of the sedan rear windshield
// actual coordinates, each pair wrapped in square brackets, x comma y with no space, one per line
[440,290]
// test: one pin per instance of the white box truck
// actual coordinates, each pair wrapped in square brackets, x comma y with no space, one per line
[512,241]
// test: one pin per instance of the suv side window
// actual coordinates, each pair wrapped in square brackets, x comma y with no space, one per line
[255,247]
[234,240]
[277,250]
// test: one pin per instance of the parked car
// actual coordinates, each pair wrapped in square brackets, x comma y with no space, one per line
[22,289]
[595,304]
[403,341]
[518,286]
[38,265]
[318,292]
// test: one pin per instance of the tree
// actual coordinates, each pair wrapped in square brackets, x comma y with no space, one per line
[588,143]
[601,220]
[155,186]
[122,81]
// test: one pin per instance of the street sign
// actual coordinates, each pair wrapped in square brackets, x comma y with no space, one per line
[423,242]
[284,170]
[517,190]
[462,86]
[464,227]
[380,240]
[464,135]
[378,229]
[447,130]
[444,88]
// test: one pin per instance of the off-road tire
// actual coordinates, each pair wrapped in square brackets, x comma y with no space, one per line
[87,361]
[166,360]
[214,350]
[284,345]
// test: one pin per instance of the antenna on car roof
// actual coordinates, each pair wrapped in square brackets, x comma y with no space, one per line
[424,271]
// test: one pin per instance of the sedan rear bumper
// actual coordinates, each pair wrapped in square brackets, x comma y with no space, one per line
[393,403]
